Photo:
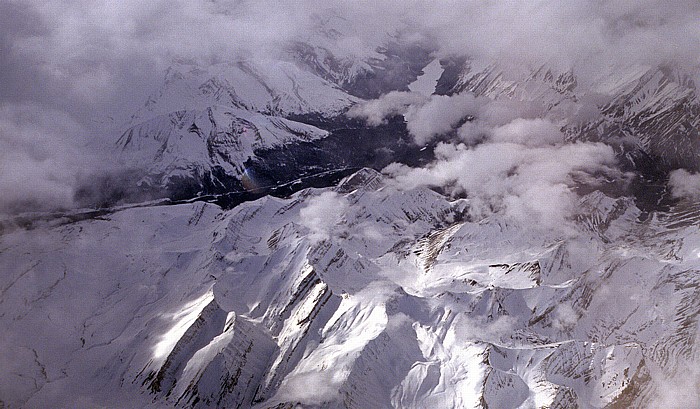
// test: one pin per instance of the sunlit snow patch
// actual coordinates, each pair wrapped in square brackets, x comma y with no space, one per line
[185,318]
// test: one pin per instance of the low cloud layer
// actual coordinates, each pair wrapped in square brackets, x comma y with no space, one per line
[426,117]
[39,161]
[475,119]
[97,58]
[376,111]
[508,157]
[93,63]
[531,184]
[322,215]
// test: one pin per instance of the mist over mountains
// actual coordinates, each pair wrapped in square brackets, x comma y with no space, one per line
[329,204]
[94,64]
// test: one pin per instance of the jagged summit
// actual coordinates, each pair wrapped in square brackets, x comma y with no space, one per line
[268,87]
[365,178]
[212,144]
[391,299]
[655,107]
[300,256]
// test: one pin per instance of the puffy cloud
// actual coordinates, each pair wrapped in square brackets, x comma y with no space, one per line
[480,118]
[678,391]
[479,328]
[322,214]
[684,184]
[565,317]
[94,62]
[439,115]
[530,132]
[312,388]
[376,111]
[532,184]
[94,57]
[593,36]
[50,162]
[426,117]
[498,120]
[513,160]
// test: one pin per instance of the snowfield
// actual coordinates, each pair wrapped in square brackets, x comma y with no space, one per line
[530,240]
[400,301]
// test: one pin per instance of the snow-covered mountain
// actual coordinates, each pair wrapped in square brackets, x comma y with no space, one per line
[203,124]
[354,296]
[375,291]
[209,146]
[649,115]
[655,108]
[270,87]
[205,121]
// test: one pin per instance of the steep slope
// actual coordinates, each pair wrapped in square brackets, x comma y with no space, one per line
[195,133]
[661,111]
[210,146]
[273,87]
[655,108]
[365,63]
[394,300]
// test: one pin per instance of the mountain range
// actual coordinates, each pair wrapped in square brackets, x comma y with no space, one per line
[266,246]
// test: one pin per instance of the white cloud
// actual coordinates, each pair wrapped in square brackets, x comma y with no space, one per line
[479,328]
[311,388]
[495,120]
[685,184]
[322,214]
[529,132]
[426,117]
[514,161]
[95,56]
[679,391]
[681,388]
[376,111]
[89,60]
[439,115]
[532,184]
[565,317]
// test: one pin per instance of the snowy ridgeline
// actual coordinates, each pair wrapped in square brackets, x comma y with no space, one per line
[206,121]
[358,296]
